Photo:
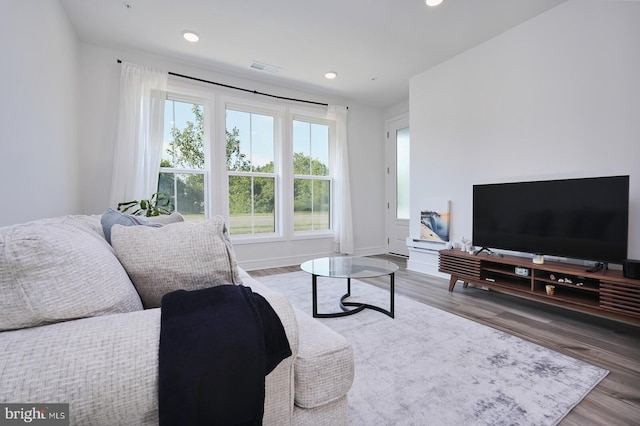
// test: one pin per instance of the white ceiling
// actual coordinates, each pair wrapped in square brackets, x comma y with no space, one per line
[375,46]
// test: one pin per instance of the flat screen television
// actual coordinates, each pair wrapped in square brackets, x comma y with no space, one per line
[584,218]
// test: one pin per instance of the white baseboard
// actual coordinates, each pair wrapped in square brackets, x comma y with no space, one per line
[425,262]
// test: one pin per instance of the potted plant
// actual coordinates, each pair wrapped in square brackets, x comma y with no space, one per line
[159,203]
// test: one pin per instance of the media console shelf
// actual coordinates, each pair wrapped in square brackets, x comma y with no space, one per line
[609,295]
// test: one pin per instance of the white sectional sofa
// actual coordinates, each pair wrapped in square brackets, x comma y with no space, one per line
[78,323]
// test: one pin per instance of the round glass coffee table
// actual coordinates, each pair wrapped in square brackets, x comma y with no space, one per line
[350,267]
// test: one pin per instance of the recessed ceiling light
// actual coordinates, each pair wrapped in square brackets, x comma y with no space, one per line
[331,75]
[433,2]
[190,36]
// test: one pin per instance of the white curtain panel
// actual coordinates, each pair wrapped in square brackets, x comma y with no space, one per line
[136,162]
[343,223]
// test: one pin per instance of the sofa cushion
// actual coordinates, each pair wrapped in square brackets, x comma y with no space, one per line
[178,256]
[59,269]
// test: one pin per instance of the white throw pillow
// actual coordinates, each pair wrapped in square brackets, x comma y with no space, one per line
[178,256]
[59,269]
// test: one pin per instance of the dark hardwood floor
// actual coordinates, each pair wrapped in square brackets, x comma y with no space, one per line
[608,344]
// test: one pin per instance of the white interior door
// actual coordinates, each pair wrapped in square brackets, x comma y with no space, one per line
[397,149]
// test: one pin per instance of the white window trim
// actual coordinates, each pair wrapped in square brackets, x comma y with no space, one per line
[313,116]
[216,102]
[182,94]
[279,113]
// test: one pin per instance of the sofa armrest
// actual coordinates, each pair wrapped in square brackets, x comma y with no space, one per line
[105,367]
[324,367]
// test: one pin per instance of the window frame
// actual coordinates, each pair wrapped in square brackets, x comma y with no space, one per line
[178,94]
[215,103]
[308,117]
[277,115]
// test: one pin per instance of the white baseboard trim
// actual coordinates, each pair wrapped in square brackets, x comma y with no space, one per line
[424,262]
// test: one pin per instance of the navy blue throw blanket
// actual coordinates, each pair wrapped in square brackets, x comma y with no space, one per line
[216,347]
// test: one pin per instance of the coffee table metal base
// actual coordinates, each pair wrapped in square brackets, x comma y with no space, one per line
[357,307]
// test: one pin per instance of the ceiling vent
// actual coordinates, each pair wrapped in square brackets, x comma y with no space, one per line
[265,67]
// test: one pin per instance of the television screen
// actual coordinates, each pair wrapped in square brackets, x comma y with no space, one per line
[576,218]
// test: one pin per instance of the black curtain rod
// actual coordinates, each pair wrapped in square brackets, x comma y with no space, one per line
[255,92]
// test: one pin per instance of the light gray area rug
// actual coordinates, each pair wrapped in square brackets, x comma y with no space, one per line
[430,367]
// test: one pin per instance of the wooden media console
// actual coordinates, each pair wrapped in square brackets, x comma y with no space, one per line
[609,295]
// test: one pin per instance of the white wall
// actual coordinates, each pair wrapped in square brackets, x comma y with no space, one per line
[556,97]
[59,119]
[98,112]
[396,110]
[38,143]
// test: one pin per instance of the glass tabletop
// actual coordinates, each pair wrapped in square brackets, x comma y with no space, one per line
[349,267]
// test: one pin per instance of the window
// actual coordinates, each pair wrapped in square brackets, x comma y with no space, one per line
[182,167]
[311,182]
[265,168]
[250,149]
[402,173]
